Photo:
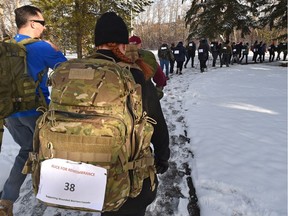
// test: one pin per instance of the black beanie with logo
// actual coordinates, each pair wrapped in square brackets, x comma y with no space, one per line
[110,28]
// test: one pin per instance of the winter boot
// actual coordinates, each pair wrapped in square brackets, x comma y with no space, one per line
[6,208]
[177,71]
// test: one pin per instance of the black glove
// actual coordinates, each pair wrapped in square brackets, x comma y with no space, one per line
[160,92]
[161,166]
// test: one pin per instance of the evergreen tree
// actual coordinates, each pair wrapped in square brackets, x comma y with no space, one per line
[212,18]
[275,16]
[73,21]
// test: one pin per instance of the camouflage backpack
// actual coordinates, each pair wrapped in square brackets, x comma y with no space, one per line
[133,52]
[17,87]
[95,119]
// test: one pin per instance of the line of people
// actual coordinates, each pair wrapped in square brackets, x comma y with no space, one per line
[228,54]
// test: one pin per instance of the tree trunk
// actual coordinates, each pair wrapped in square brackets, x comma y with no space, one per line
[78,30]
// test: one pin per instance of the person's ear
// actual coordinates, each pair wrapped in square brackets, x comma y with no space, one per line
[32,24]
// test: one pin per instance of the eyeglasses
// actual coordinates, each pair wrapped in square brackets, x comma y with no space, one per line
[42,22]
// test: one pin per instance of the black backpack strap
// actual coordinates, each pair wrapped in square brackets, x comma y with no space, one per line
[39,80]
[1,131]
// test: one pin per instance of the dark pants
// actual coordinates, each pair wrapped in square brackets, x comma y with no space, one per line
[203,64]
[271,56]
[179,66]
[278,56]
[137,206]
[246,58]
[215,56]
[284,55]
[172,66]
[187,60]
[225,59]
[140,213]
[255,55]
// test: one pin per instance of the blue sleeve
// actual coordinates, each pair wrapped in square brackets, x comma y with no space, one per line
[40,57]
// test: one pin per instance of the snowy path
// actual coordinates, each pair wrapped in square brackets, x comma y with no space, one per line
[173,193]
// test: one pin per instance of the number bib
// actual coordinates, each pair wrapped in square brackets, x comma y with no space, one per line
[73,184]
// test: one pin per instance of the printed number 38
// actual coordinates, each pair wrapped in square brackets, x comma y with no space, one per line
[70,187]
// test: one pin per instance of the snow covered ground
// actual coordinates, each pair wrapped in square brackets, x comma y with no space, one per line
[228,126]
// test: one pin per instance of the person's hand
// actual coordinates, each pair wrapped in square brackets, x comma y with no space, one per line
[160,92]
[161,166]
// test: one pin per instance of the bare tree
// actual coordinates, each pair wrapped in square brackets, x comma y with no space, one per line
[162,22]
[7,16]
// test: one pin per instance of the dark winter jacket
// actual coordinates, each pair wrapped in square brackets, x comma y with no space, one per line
[272,48]
[214,47]
[160,138]
[179,52]
[245,49]
[203,50]
[191,49]
[226,49]
[235,49]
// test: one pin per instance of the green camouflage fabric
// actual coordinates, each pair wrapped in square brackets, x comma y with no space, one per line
[148,57]
[17,88]
[132,52]
[95,116]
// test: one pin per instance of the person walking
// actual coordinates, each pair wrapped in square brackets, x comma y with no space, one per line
[271,50]
[284,48]
[226,53]
[235,53]
[172,60]
[261,50]
[190,53]
[165,56]
[179,55]
[41,56]
[245,52]
[203,54]
[214,49]
[278,49]
[111,37]
[255,51]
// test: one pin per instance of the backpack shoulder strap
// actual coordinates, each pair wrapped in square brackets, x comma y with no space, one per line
[28,41]
[23,42]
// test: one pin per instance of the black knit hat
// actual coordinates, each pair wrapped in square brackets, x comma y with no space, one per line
[110,28]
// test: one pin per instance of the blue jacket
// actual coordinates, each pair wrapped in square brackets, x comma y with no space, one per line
[40,57]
